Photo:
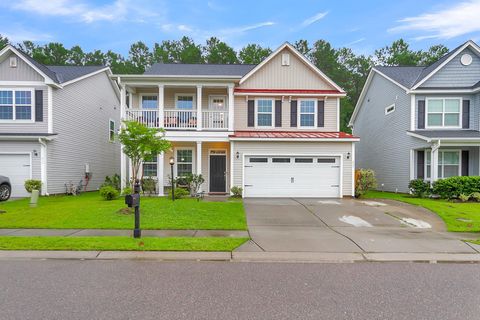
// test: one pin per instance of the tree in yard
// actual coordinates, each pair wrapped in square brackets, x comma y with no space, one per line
[3,42]
[95,58]
[76,56]
[217,51]
[253,54]
[183,51]
[140,56]
[302,47]
[141,142]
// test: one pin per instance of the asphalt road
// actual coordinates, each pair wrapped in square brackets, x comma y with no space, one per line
[69,289]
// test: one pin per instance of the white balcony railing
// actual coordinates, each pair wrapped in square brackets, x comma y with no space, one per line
[215,119]
[180,119]
[146,117]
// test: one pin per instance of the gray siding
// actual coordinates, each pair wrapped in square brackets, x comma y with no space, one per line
[24,147]
[81,113]
[455,74]
[384,145]
[23,72]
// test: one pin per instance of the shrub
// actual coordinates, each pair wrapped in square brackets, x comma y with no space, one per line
[364,180]
[475,196]
[464,197]
[149,185]
[179,193]
[194,182]
[109,193]
[236,191]
[33,184]
[419,188]
[126,190]
[113,182]
[453,187]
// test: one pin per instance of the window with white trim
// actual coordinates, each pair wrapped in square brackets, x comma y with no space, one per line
[111,130]
[184,162]
[448,164]
[150,166]
[16,105]
[217,103]
[307,113]
[149,102]
[443,112]
[264,112]
[184,101]
[389,109]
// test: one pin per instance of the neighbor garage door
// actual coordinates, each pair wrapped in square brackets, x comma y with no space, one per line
[292,176]
[17,168]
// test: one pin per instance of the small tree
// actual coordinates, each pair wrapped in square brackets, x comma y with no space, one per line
[194,182]
[364,180]
[140,142]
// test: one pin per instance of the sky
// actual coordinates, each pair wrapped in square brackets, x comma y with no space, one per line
[362,25]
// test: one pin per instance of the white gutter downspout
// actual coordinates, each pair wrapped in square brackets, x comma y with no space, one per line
[43,166]
[434,161]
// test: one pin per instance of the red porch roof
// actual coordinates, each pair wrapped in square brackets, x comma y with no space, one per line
[288,91]
[292,135]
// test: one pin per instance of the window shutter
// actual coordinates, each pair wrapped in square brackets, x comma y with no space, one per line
[278,113]
[321,113]
[251,113]
[293,113]
[421,114]
[38,105]
[465,162]
[466,114]
[420,164]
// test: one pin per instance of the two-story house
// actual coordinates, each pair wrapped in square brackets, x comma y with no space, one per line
[421,122]
[57,124]
[271,128]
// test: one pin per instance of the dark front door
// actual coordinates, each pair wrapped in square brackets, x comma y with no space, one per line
[218,166]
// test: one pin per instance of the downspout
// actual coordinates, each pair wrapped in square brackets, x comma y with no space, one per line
[43,166]
[434,160]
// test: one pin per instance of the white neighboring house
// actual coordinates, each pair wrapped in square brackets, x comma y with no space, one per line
[272,129]
[56,123]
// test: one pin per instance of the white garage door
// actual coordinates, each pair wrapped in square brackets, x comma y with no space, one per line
[17,168]
[292,176]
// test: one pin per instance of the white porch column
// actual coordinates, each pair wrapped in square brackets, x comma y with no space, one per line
[199,107]
[230,107]
[161,101]
[160,166]
[199,158]
[123,157]
[434,162]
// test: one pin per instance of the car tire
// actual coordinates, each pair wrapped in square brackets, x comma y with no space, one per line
[5,192]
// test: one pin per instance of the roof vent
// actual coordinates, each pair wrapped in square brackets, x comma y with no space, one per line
[466,59]
[13,62]
[285,59]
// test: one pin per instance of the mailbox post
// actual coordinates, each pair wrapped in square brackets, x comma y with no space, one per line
[133,201]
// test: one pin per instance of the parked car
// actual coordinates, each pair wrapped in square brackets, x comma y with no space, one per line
[5,188]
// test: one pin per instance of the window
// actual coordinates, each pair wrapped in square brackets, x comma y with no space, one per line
[16,105]
[326,160]
[262,160]
[150,167]
[264,113]
[184,162]
[389,109]
[184,101]
[111,130]
[448,164]
[307,113]
[281,160]
[149,102]
[303,160]
[217,103]
[443,112]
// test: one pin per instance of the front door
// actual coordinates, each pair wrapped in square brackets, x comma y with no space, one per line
[218,167]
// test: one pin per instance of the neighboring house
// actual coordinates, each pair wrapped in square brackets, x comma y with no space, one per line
[421,122]
[56,123]
[272,129]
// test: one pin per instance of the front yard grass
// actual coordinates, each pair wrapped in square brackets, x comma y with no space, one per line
[90,211]
[459,217]
[120,243]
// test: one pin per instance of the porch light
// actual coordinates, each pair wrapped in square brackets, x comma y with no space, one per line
[171,161]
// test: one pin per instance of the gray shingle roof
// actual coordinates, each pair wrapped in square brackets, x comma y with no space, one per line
[184,69]
[447,133]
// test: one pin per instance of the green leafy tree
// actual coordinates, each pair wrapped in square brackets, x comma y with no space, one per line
[140,56]
[434,53]
[302,47]
[140,142]
[76,56]
[398,54]
[253,54]
[55,54]
[217,51]
[3,42]
[95,58]
[183,51]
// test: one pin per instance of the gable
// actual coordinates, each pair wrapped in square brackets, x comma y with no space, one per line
[455,74]
[23,72]
[297,75]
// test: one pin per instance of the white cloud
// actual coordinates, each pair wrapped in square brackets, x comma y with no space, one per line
[20,34]
[244,29]
[457,20]
[355,42]
[314,19]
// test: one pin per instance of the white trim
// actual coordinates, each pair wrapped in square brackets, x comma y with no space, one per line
[452,139]
[231,102]
[216,96]
[232,164]
[14,104]
[50,109]
[160,173]
[338,114]
[175,149]
[440,154]
[460,120]
[43,166]
[110,130]
[140,100]
[412,164]
[299,55]
[353,169]
[226,168]
[256,113]
[198,107]
[198,155]
[467,44]
[315,114]
[88,75]
[194,101]
[445,91]
[22,83]
[27,153]
[412,112]
[388,111]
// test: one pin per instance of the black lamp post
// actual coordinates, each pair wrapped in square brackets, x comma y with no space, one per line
[172,162]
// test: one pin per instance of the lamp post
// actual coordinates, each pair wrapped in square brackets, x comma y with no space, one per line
[172,162]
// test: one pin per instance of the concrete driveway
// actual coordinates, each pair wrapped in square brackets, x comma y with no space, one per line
[347,225]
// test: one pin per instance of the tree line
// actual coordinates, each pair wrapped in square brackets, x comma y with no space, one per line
[348,69]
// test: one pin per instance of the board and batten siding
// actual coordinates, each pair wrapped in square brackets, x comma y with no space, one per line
[384,144]
[24,147]
[295,76]
[23,72]
[81,113]
[455,74]
[293,148]
[241,112]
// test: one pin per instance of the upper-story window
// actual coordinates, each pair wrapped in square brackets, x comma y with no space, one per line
[307,113]
[443,112]
[217,103]
[184,101]
[149,102]
[16,105]
[264,112]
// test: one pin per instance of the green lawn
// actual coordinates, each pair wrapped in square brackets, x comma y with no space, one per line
[449,211]
[120,243]
[90,211]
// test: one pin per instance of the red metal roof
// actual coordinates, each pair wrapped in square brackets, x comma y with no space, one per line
[291,91]
[292,135]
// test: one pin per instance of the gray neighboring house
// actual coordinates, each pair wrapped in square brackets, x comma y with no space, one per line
[421,122]
[57,123]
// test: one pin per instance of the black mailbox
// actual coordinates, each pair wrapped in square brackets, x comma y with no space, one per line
[132,200]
